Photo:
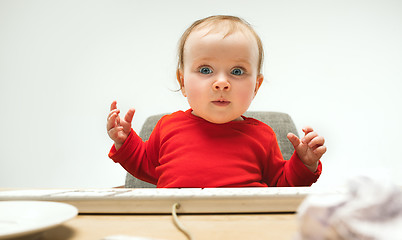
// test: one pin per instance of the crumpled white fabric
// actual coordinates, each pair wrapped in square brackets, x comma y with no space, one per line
[368,209]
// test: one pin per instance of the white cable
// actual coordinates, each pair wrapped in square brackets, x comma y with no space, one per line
[177,222]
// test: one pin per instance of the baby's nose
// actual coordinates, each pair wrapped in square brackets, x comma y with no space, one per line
[221,84]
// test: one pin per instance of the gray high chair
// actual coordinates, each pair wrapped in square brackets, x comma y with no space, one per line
[281,123]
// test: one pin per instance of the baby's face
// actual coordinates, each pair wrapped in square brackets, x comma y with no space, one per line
[220,77]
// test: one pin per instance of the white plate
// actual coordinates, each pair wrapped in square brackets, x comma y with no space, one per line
[19,218]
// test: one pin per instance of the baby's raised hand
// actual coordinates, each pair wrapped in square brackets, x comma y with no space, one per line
[310,148]
[118,129]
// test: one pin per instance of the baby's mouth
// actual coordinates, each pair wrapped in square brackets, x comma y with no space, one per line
[221,102]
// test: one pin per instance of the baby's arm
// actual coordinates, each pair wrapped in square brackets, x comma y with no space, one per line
[118,129]
[310,148]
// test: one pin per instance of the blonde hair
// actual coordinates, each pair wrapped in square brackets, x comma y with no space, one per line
[230,24]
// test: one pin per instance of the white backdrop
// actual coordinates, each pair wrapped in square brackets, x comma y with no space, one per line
[334,65]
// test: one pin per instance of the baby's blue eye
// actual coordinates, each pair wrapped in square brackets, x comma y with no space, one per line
[237,71]
[205,70]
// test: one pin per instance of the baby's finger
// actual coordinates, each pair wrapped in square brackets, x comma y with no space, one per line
[320,151]
[112,121]
[307,129]
[113,105]
[129,115]
[317,141]
[308,137]
[115,111]
[293,139]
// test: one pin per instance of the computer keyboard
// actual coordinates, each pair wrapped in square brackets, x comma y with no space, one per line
[191,200]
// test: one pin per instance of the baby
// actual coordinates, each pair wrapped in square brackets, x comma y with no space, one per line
[212,144]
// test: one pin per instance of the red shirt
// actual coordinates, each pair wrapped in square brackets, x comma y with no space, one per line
[187,151]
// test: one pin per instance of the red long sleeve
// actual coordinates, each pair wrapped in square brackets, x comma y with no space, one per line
[187,151]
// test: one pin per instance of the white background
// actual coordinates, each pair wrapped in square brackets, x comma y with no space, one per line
[334,65]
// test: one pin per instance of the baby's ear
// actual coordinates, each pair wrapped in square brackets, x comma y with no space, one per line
[180,79]
[260,79]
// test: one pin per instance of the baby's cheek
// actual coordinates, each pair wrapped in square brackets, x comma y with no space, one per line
[193,93]
[195,97]
[246,95]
